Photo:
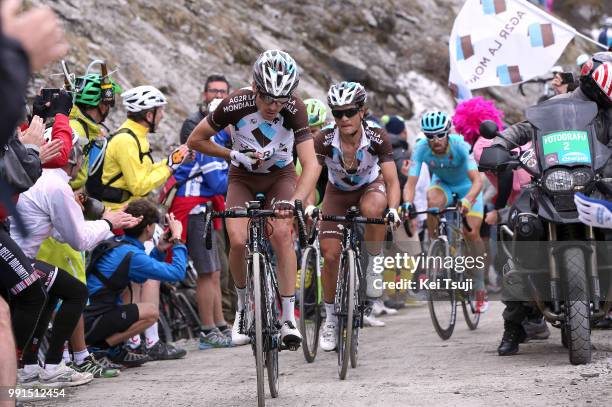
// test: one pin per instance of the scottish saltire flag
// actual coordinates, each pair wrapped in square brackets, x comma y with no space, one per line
[503,42]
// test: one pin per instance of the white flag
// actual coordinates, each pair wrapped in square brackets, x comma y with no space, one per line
[503,42]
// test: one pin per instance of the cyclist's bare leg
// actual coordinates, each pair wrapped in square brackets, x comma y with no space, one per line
[330,250]
[373,205]
[282,243]
[436,198]
[475,247]
[237,231]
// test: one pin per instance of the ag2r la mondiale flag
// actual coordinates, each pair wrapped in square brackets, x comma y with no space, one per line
[503,42]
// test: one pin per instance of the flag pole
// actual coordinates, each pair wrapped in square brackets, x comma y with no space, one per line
[584,37]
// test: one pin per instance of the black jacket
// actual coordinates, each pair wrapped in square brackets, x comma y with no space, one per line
[190,123]
[14,75]
[401,152]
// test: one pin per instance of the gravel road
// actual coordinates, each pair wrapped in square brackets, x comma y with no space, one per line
[401,364]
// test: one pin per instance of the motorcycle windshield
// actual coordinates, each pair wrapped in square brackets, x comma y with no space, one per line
[565,133]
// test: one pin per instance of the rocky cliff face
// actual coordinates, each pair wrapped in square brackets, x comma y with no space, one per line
[396,48]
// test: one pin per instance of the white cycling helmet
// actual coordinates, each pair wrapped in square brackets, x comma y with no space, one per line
[346,93]
[276,73]
[143,98]
[48,135]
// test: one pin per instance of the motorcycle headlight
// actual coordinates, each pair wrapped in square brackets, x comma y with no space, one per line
[559,181]
[582,177]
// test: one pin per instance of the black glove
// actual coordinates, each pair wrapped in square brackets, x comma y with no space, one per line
[40,108]
[61,104]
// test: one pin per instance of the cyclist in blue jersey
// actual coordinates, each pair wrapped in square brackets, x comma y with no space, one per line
[453,170]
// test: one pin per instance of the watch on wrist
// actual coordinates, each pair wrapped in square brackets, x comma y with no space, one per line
[176,240]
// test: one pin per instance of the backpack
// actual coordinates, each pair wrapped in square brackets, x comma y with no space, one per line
[113,286]
[97,153]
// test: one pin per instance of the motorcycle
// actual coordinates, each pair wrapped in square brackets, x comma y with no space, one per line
[565,157]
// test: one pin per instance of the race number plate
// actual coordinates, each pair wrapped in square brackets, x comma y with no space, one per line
[566,147]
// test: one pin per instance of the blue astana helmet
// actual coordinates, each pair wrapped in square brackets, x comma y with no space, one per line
[435,122]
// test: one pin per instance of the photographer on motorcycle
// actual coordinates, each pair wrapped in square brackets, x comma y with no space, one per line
[595,86]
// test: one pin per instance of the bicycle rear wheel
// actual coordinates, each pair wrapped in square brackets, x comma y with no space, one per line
[256,306]
[345,319]
[272,367]
[442,303]
[310,307]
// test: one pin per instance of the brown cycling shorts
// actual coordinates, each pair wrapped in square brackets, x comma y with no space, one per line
[336,202]
[242,186]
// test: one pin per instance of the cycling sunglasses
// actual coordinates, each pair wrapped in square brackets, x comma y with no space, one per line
[346,112]
[268,99]
[432,136]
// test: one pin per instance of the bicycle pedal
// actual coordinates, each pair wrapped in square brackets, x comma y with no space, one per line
[292,347]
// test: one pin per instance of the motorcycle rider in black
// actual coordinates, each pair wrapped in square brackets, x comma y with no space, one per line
[596,86]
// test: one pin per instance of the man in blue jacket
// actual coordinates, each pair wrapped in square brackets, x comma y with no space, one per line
[113,265]
[204,180]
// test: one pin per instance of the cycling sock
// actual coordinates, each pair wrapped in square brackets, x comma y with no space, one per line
[241,294]
[66,354]
[208,329]
[222,327]
[329,312]
[151,335]
[134,342]
[288,308]
[50,367]
[79,357]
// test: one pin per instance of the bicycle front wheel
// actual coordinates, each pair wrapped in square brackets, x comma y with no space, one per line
[272,326]
[468,303]
[258,306]
[441,301]
[310,307]
[347,307]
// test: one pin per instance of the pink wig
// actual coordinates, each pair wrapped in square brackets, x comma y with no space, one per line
[470,113]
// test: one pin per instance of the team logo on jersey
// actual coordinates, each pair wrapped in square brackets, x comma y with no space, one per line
[264,133]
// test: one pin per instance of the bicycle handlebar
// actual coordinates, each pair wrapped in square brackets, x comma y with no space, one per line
[209,214]
[436,212]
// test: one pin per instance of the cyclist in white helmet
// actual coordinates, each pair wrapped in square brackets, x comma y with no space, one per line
[362,173]
[266,121]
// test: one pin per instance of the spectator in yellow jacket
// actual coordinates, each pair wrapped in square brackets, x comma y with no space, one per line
[129,171]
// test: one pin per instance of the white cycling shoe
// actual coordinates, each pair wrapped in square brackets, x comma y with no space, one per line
[379,308]
[290,335]
[371,320]
[327,336]
[239,338]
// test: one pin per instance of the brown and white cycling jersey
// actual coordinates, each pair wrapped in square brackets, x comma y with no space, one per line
[374,149]
[250,131]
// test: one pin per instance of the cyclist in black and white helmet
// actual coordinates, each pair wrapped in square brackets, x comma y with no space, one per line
[266,120]
[362,173]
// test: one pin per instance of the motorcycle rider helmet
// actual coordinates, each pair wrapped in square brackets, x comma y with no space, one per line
[596,79]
